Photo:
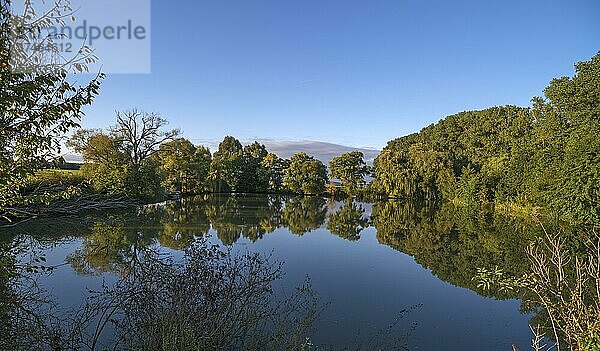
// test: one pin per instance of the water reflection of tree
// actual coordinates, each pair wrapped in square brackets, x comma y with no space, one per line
[111,247]
[449,241]
[348,222]
[212,300]
[304,214]
[251,216]
[451,244]
[215,301]
[454,244]
[7,263]
[182,221]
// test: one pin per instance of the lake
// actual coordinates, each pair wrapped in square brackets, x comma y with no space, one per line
[367,262]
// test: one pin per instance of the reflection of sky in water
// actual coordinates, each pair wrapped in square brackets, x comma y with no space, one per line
[366,284]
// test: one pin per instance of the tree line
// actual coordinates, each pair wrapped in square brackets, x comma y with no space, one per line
[139,158]
[542,157]
[546,156]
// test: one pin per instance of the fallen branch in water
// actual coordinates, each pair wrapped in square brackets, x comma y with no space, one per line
[17,215]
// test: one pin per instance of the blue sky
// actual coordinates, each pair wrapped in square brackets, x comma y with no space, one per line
[356,73]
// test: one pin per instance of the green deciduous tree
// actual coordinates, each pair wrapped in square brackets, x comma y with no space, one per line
[227,164]
[351,169]
[546,156]
[271,172]
[184,167]
[249,169]
[566,157]
[97,147]
[122,162]
[305,175]
[251,181]
[37,105]
[105,164]
[411,169]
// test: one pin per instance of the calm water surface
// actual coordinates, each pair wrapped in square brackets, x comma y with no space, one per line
[368,261]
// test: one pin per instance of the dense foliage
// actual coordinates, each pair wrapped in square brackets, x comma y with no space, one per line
[166,166]
[183,166]
[305,175]
[125,160]
[351,169]
[39,103]
[546,156]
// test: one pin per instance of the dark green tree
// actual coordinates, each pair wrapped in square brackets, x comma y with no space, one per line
[566,171]
[251,181]
[227,165]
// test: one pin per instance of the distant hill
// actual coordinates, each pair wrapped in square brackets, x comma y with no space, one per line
[73,158]
[320,150]
[284,149]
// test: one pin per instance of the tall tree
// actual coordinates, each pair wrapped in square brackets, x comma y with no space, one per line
[230,147]
[350,168]
[546,156]
[141,134]
[183,166]
[122,162]
[567,149]
[271,173]
[305,175]
[250,180]
[238,169]
[227,165]
[256,150]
